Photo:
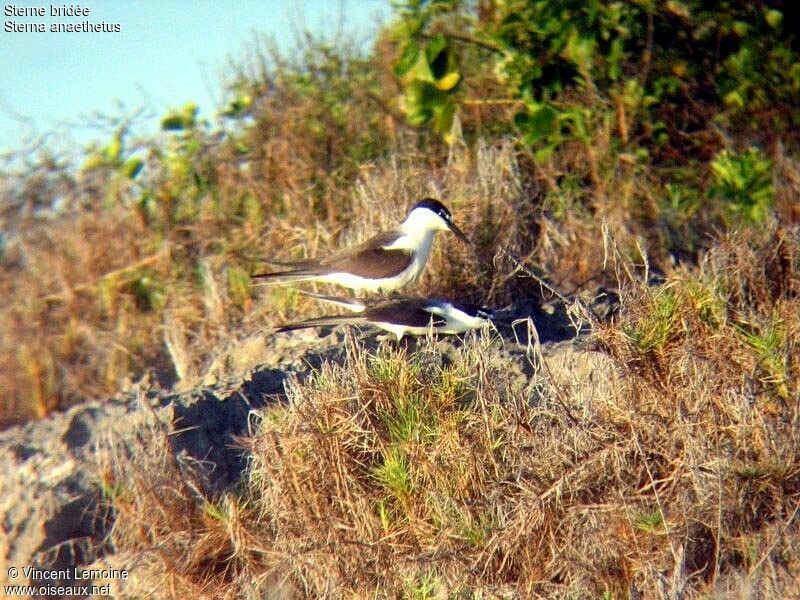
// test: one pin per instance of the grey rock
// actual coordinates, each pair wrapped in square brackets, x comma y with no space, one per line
[51,516]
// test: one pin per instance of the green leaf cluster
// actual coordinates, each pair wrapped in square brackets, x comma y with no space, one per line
[180,119]
[114,157]
[430,75]
[744,181]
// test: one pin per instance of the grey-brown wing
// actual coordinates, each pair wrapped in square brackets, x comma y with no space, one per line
[295,264]
[370,259]
[410,313]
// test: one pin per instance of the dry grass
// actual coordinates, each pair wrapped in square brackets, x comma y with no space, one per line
[100,297]
[439,473]
[70,320]
[178,542]
[436,472]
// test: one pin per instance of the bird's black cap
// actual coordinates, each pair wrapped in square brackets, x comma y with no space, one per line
[434,205]
[440,209]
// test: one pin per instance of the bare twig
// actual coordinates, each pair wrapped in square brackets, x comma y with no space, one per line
[585,310]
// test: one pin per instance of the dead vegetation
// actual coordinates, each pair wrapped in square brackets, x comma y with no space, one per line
[437,473]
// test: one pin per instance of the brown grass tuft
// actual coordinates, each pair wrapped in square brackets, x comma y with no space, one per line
[174,539]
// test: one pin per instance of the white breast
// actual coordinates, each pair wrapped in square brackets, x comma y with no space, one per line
[419,241]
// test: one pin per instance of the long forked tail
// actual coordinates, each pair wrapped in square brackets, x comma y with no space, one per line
[351,304]
[282,277]
[323,321]
[289,264]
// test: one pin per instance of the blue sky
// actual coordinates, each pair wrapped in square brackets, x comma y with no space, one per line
[167,53]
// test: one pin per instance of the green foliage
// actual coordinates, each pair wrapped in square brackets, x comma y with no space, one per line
[180,119]
[241,102]
[216,511]
[108,155]
[550,46]
[707,299]
[185,175]
[132,167]
[113,160]
[394,473]
[681,199]
[422,587]
[537,51]
[411,421]
[744,181]
[768,342]
[385,514]
[654,329]
[240,286]
[650,522]
[113,491]
[387,370]
[567,62]
[430,75]
[149,291]
[760,73]
[251,212]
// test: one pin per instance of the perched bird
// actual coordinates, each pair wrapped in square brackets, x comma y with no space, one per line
[403,316]
[385,262]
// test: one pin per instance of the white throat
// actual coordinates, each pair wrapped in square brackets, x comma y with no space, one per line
[418,230]
[457,320]
[423,218]
[419,240]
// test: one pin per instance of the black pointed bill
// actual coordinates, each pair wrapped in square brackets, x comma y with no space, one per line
[486,313]
[459,234]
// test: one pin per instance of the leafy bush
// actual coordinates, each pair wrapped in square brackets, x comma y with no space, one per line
[430,76]
[744,181]
[568,62]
